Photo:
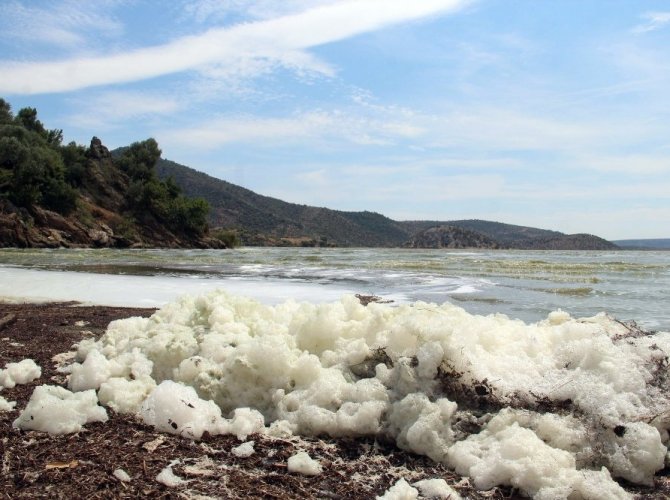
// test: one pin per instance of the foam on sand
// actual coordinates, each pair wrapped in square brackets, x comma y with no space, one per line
[553,408]
[22,372]
[14,374]
[302,463]
[56,410]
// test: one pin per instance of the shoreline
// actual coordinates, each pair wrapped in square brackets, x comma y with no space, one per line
[83,464]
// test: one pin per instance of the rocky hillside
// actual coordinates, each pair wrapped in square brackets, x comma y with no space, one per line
[450,237]
[72,196]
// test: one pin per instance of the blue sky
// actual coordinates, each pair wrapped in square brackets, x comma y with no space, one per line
[554,114]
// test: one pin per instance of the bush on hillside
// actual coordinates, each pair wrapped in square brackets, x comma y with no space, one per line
[161,199]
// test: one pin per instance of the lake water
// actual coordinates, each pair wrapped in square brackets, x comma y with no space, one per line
[521,284]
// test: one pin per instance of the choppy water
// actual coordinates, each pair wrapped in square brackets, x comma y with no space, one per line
[522,284]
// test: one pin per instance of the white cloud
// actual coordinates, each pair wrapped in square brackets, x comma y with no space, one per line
[638,164]
[315,178]
[63,23]
[218,10]
[216,133]
[643,63]
[460,140]
[280,39]
[318,125]
[653,21]
[107,109]
[507,129]
[471,163]
[621,223]
[393,185]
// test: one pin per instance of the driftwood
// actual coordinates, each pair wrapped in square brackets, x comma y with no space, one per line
[366,299]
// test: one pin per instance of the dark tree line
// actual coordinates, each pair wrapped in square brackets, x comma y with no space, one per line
[32,169]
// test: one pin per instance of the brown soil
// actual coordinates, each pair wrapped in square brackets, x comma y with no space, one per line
[37,465]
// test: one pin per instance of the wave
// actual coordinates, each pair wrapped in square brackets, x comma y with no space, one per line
[574,292]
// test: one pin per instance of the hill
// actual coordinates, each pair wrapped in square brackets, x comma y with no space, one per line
[450,237]
[521,237]
[645,244]
[508,235]
[53,195]
[265,220]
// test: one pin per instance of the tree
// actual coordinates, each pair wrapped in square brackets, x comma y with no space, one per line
[12,152]
[38,179]
[54,136]
[27,118]
[74,158]
[32,171]
[6,115]
[139,160]
[190,215]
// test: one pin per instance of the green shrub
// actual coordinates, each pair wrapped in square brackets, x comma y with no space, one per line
[228,237]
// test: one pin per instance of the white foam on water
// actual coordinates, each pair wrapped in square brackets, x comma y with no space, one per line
[465,289]
[31,285]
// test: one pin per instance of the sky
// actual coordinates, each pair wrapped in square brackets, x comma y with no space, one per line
[546,113]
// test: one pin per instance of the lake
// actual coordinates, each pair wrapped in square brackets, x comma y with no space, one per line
[527,285]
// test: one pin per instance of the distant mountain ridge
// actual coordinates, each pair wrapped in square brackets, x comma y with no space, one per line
[526,238]
[263,220]
[645,244]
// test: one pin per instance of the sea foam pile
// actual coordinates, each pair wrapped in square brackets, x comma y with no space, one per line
[554,408]
[15,374]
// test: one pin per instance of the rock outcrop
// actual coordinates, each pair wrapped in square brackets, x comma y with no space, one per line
[450,237]
[572,242]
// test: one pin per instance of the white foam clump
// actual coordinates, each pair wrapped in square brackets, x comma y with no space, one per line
[401,490]
[167,477]
[175,408]
[407,371]
[505,453]
[302,463]
[6,405]
[436,488]
[121,475]
[23,372]
[245,450]
[56,410]
[421,426]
